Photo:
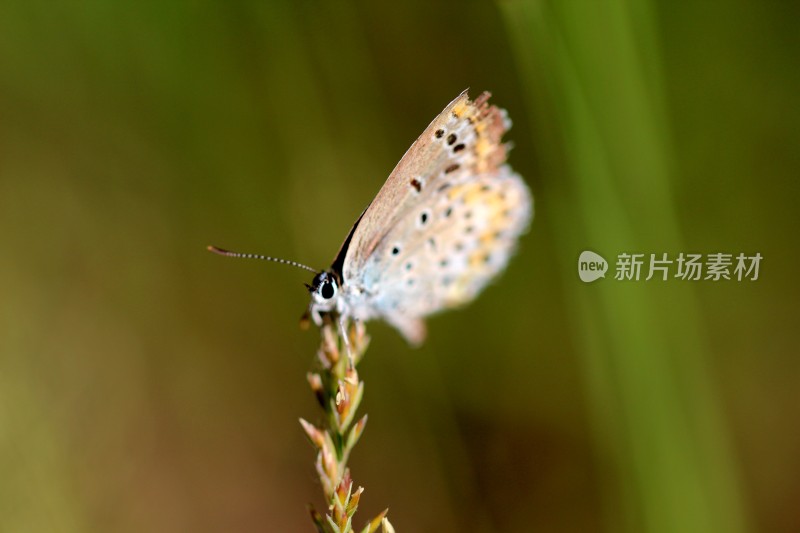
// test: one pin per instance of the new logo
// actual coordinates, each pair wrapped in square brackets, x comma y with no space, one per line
[591,266]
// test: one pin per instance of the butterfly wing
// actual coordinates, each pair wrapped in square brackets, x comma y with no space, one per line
[445,222]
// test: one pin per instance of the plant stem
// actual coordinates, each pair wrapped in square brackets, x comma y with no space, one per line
[339,390]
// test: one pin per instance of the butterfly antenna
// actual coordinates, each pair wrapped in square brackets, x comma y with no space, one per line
[228,253]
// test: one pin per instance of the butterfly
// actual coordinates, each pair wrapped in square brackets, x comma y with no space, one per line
[445,223]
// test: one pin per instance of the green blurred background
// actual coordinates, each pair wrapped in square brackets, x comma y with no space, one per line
[146,385]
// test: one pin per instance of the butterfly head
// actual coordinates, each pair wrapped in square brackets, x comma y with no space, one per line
[324,291]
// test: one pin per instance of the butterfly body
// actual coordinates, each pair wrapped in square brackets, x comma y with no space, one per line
[444,224]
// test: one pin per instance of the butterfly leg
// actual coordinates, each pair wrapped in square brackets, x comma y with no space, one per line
[315,315]
[346,338]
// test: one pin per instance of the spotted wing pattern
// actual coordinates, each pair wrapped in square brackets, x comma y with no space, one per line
[445,222]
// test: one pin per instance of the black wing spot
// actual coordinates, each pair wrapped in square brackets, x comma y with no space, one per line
[410,282]
[469,229]
[409,266]
[451,139]
[452,168]
[432,242]
[416,184]
[442,187]
[486,188]
[468,214]
[443,263]
[459,246]
[448,212]
[439,134]
[423,218]
[458,147]
[395,250]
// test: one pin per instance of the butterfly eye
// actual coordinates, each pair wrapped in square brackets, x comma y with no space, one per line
[327,290]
